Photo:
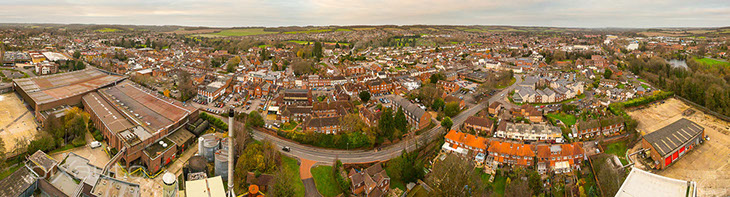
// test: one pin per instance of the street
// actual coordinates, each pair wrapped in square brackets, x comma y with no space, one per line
[327,156]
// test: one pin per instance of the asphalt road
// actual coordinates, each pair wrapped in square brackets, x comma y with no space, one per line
[327,156]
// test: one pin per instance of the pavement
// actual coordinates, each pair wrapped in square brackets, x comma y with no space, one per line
[305,172]
[310,190]
[327,156]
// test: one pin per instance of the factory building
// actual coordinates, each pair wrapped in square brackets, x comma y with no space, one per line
[671,142]
[139,123]
[47,92]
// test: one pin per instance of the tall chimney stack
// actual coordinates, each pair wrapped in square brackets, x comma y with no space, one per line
[231,141]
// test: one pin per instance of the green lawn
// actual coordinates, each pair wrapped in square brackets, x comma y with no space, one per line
[620,86]
[567,119]
[499,185]
[243,32]
[618,149]
[291,164]
[712,62]
[343,30]
[325,181]
[644,86]
[642,80]
[512,81]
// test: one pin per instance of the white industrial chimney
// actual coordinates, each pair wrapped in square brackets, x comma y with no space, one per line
[231,141]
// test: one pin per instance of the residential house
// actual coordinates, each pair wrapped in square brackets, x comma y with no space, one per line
[464,143]
[416,116]
[370,182]
[603,126]
[529,132]
[326,125]
[508,153]
[479,125]
[559,158]
[530,113]
[494,108]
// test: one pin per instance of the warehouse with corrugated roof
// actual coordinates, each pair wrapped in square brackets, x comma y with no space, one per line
[672,141]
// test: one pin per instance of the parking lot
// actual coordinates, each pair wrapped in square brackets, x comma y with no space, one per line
[708,164]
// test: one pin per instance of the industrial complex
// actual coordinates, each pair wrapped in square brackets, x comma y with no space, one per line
[137,122]
[51,91]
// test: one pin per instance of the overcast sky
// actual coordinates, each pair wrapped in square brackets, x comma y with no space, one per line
[229,13]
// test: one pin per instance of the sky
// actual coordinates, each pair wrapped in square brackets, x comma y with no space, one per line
[274,13]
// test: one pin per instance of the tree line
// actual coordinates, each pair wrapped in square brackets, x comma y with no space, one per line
[706,85]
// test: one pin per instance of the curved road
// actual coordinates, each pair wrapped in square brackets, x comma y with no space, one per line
[327,156]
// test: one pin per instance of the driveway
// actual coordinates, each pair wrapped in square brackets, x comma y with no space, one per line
[310,190]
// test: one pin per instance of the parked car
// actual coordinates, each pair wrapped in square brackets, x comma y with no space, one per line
[286,149]
[95,144]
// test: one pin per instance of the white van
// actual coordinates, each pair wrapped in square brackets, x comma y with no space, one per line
[95,144]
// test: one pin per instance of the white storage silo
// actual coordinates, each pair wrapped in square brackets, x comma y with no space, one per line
[221,163]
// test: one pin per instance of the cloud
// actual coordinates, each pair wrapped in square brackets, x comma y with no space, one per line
[227,13]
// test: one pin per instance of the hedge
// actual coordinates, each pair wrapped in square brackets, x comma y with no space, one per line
[218,123]
[618,108]
[338,141]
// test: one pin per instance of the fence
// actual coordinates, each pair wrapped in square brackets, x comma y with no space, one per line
[703,108]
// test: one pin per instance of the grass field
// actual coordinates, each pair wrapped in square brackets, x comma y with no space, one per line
[303,42]
[325,181]
[618,149]
[567,119]
[309,31]
[243,32]
[712,62]
[363,28]
[291,165]
[642,80]
[107,30]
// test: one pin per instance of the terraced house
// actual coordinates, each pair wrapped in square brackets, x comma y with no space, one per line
[593,128]
[464,143]
[416,116]
[529,132]
[507,153]
[559,158]
[479,125]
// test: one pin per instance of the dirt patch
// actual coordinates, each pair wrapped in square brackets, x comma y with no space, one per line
[17,125]
[708,164]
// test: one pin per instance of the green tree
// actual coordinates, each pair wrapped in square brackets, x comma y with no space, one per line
[407,167]
[401,123]
[232,64]
[317,51]
[451,109]
[385,124]
[447,123]
[364,96]
[282,186]
[438,104]
[607,74]
[77,54]
[255,119]
[434,78]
